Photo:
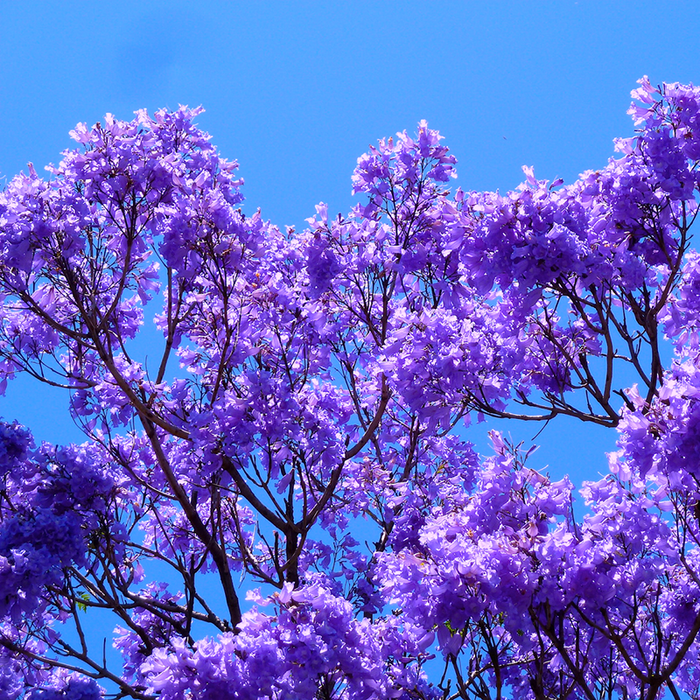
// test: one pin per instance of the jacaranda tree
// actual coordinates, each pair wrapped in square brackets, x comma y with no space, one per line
[276,497]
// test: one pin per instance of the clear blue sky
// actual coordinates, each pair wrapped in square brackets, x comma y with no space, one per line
[297,90]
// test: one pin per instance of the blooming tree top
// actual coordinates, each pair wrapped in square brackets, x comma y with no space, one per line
[276,500]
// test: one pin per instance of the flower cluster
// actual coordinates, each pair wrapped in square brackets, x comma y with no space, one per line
[277,500]
[54,500]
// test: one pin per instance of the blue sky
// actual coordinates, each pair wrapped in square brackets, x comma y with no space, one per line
[297,90]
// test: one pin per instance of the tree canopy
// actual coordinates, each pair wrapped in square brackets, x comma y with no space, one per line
[277,497]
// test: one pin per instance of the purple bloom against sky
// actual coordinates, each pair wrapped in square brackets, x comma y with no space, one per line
[255,461]
[304,383]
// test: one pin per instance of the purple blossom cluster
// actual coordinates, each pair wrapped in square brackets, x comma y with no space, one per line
[280,500]
[313,642]
[53,498]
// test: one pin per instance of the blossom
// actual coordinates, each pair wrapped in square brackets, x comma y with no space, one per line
[276,497]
